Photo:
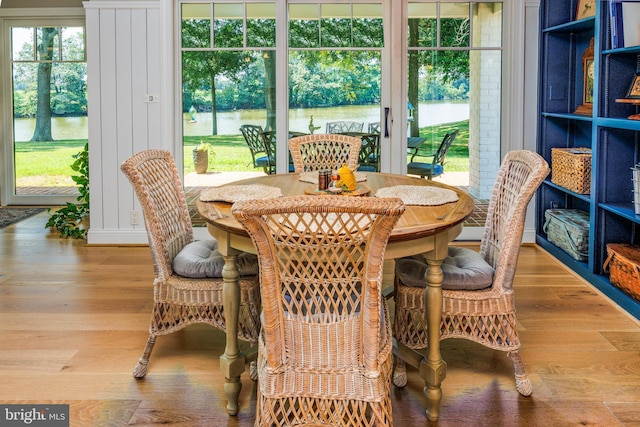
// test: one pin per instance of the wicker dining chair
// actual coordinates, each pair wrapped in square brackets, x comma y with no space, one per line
[179,301]
[325,348]
[324,151]
[478,298]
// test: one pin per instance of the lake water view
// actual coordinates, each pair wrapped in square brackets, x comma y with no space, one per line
[229,122]
[61,128]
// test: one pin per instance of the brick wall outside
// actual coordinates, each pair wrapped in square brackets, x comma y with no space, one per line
[485,102]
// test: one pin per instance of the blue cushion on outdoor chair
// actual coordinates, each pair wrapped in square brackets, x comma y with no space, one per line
[201,259]
[463,269]
[262,161]
[416,168]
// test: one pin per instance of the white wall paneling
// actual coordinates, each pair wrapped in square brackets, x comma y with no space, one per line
[124,61]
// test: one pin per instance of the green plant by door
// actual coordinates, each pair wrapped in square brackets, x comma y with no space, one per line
[72,219]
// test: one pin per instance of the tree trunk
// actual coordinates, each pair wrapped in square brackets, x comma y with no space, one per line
[412,75]
[42,131]
[270,88]
[214,116]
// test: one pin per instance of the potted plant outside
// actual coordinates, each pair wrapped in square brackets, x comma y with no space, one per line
[201,157]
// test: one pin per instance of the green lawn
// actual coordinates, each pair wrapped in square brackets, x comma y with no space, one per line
[44,164]
[49,163]
[232,153]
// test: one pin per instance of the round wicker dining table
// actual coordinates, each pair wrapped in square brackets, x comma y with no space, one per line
[422,229]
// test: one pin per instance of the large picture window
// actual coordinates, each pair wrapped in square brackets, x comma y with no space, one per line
[338,69]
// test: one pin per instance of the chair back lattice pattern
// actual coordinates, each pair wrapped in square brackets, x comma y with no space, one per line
[253,136]
[324,151]
[343,126]
[325,345]
[155,180]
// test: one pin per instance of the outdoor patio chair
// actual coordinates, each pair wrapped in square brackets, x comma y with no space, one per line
[270,144]
[436,166]
[188,274]
[324,151]
[477,288]
[253,136]
[325,347]
[344,126]
[369,156]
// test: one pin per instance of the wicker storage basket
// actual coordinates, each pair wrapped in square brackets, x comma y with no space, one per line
[623,264]
[571,168]
[568,229]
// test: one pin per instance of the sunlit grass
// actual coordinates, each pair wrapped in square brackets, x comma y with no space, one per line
[46,164]
[49,163]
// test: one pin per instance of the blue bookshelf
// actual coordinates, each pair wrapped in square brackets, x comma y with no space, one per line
[614,139]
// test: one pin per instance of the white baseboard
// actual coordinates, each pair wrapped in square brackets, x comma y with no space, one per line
[117,237]
[475,233]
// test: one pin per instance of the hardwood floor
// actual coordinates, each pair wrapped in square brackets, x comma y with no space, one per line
[74,320]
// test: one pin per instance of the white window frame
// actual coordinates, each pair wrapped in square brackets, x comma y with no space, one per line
[40,17]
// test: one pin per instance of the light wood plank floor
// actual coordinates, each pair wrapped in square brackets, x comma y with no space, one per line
[74,320]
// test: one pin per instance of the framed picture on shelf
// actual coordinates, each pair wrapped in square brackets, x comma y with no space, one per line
[634,89]
[585,9]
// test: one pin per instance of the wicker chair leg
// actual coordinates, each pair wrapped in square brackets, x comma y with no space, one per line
[400,373]
[143,363]
[523,384]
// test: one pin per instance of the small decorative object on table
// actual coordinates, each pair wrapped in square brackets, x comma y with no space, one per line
[323,179]
[571,168]
[623,264]
[346,179]
[568,229]
[334,188]
[342,182]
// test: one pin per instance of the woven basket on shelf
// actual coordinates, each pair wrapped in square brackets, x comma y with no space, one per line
[571,168]
[623,264]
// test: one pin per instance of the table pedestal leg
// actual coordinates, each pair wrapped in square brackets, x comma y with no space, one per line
[433,370]
[232,361]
